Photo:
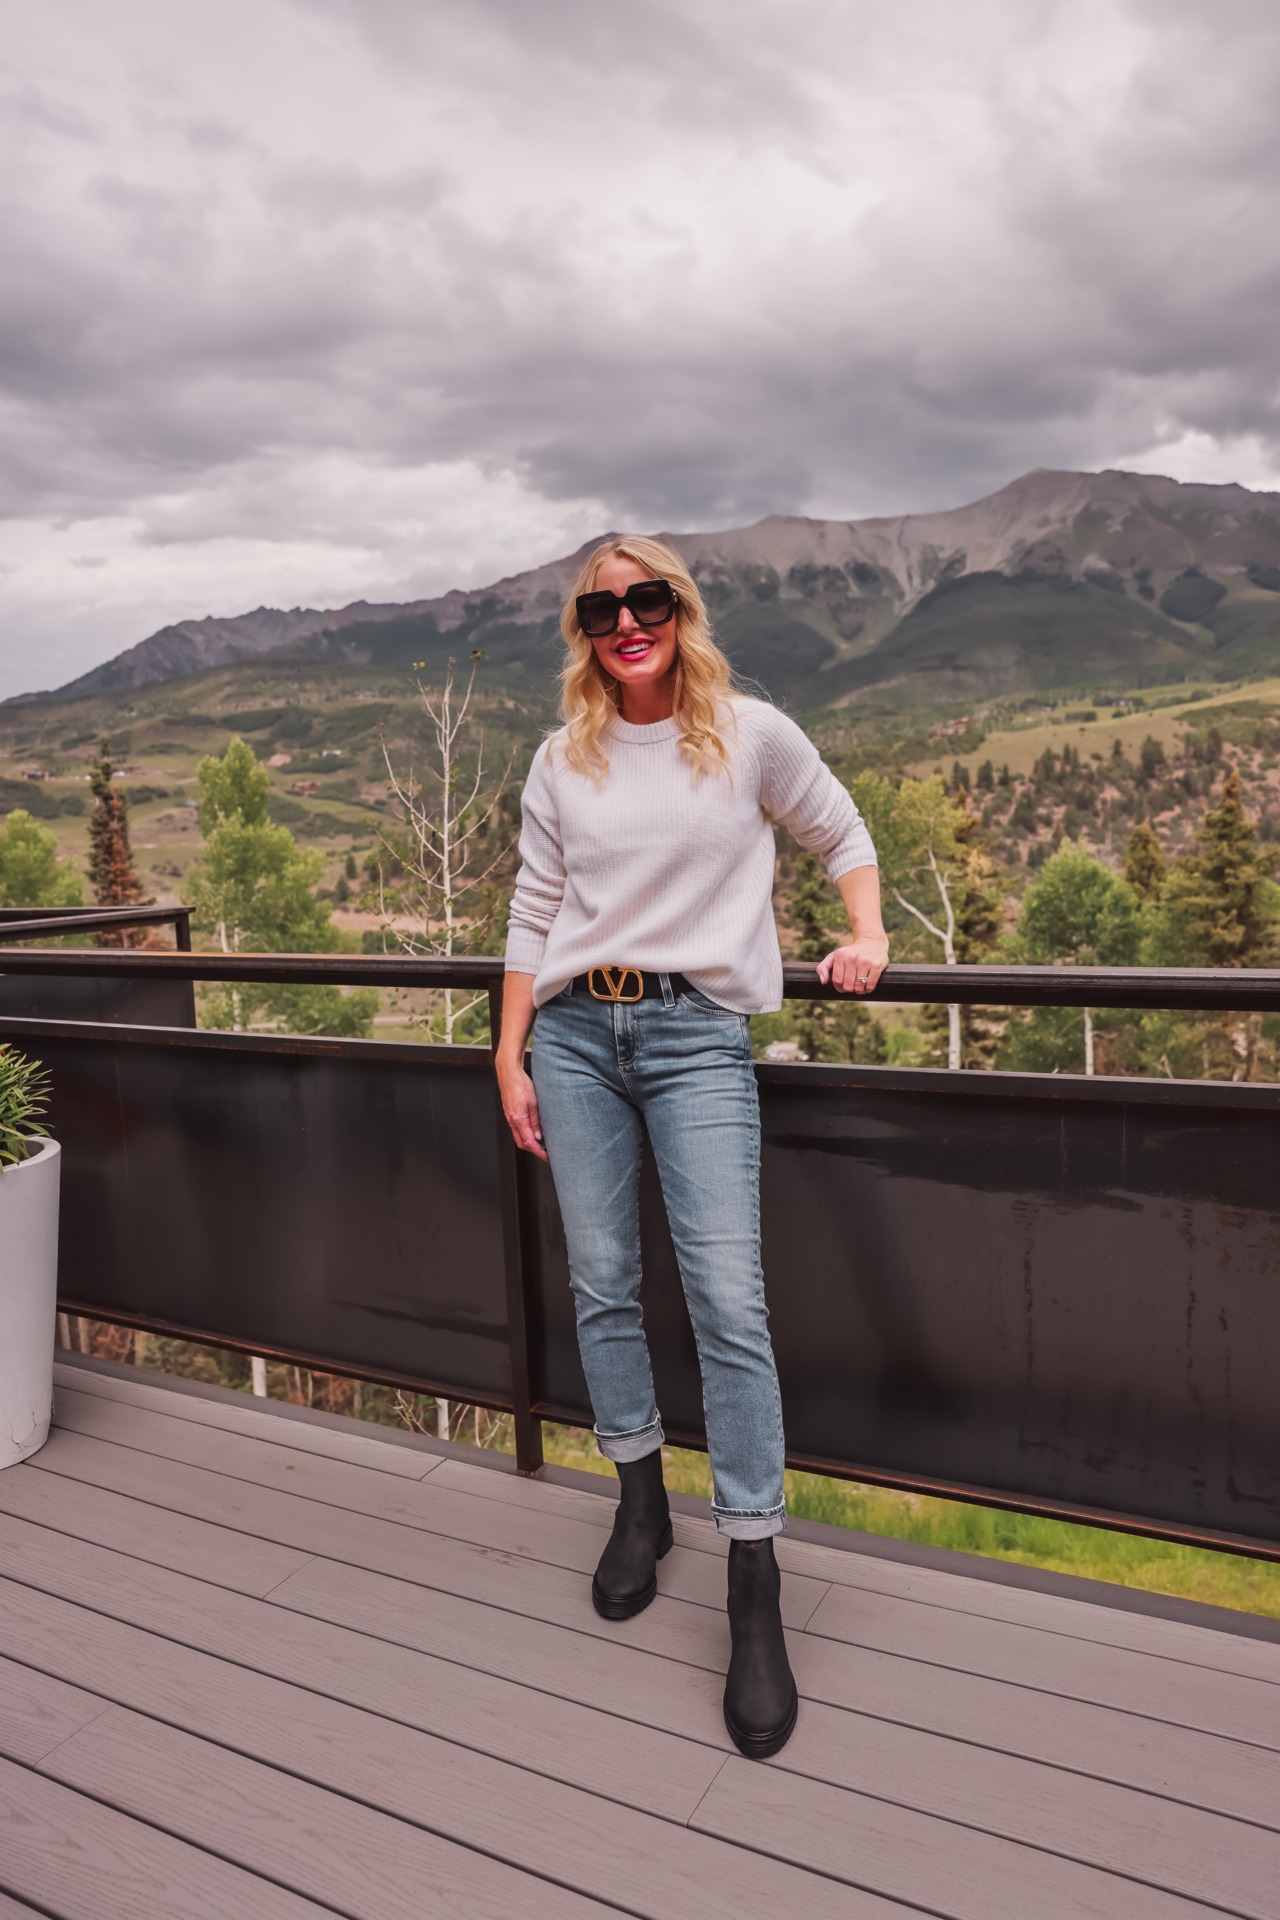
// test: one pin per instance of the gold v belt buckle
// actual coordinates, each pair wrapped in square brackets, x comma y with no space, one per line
[615,980]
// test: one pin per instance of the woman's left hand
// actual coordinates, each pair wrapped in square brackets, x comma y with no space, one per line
[856,968]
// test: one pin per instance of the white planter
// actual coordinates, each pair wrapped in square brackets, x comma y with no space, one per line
[28,1300]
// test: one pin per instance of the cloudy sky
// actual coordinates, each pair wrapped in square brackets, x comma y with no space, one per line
[309,300]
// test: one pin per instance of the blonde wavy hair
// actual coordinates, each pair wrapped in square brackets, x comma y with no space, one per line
[590,697]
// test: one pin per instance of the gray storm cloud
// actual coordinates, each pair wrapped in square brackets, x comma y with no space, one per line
[311,298]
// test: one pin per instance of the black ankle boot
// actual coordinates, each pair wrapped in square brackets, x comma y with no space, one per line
[627,1576]
[760,1702]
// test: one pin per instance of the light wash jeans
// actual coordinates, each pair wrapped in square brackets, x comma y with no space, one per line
[679,1068]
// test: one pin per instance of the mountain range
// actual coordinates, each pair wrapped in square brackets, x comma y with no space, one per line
[1058,580]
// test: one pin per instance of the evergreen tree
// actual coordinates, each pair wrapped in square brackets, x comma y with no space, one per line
[1221,898]
[980,895]
[835,1030]
[813,907]
[111,871]
[1145,867]
[1219,908]
[1151,759]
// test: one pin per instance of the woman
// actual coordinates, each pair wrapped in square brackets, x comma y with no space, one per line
[642,932]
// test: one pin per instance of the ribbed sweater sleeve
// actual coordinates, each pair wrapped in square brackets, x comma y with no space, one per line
[799,792]
[540,881]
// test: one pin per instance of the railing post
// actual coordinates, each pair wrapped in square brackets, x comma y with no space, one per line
[182,930]
[528,1428]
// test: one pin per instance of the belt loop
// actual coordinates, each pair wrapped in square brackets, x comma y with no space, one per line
[668,997]
[569,989]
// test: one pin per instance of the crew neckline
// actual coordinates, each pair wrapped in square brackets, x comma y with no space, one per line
[648,735]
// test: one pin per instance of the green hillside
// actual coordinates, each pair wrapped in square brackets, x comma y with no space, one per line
[1245,625]
[987,633]
[774,647]
[319,728]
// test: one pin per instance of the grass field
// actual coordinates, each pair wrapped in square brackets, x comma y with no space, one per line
[1019,747]
[1154,1566]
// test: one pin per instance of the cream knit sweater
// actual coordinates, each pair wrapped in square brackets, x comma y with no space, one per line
[656,868]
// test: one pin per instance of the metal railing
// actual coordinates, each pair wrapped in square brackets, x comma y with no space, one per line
[1050,1293]
[1166,989]
[26,923]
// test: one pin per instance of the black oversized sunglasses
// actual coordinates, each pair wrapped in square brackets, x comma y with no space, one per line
[649,603]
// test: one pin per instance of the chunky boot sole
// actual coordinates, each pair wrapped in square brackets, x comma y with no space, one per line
[613,1606]
[761,1746]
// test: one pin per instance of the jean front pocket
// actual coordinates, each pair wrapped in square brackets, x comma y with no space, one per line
[699,1003]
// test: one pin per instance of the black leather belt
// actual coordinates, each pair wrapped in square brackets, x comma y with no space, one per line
[625,985]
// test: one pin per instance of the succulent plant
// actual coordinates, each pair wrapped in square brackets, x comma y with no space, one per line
[24,1096]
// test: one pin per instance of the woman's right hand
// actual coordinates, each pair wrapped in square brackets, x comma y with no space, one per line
[520,1106]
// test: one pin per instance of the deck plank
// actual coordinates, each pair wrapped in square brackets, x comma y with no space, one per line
[1046,1802]
[1199,1769]
[1150,1684]
[34,1717]
[530,1533]
[357,1682]
[295,1726]
[323,1845]
[954,1590]
[1145,1836]
[251,1652]
[15,1910]
[609,1854]
[1079,1733]
[302,1642]
[1073,1619]
[189,1546]
[949,1870]
[682,1629]
[83,1861]
[368,1446]
[1157,1688]
[1183,1764]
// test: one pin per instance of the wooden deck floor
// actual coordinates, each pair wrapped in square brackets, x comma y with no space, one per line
[258,1665]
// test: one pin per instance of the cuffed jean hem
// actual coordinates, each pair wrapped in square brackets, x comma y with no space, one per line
[735,1525]
[636,1445]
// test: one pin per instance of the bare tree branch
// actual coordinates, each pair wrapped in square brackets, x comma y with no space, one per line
[446,819]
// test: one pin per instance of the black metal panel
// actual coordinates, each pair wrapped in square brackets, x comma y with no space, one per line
[132,997]
[133,1002]
[1064,1292]
[1055,1293]
[328,1200]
